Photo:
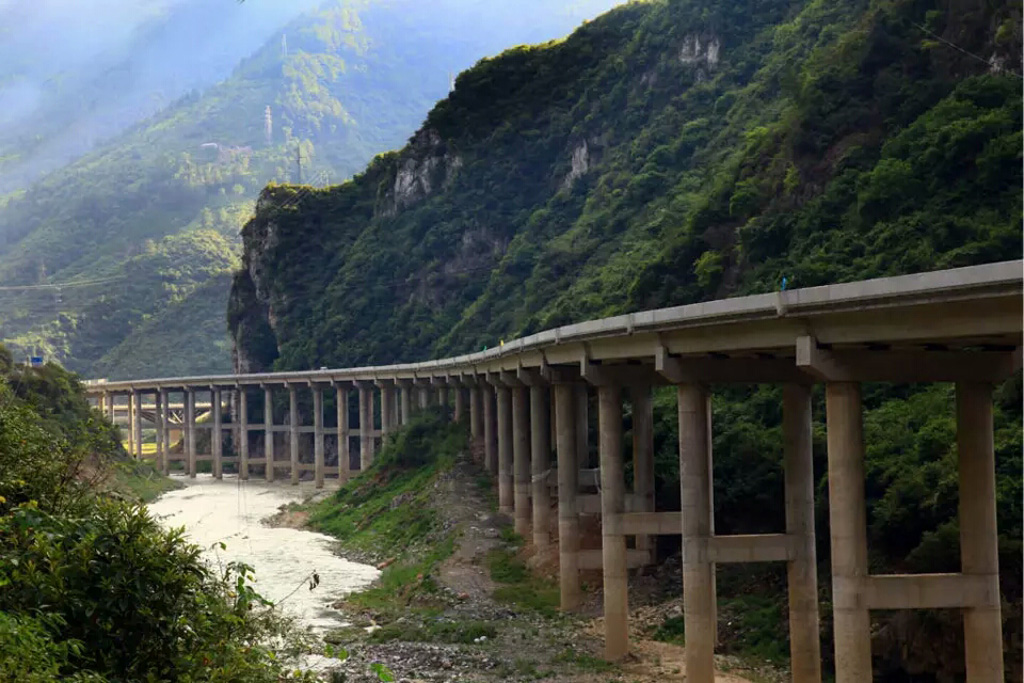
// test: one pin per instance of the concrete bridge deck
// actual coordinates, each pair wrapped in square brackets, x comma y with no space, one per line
[529,399]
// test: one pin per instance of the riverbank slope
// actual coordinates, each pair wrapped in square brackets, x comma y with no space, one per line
[461,597]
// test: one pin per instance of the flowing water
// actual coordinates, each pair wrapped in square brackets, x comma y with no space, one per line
[230,511]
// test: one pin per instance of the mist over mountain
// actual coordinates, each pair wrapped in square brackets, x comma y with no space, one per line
[75,74]
[151,216]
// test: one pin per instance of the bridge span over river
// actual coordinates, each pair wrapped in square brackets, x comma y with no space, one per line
[527,403]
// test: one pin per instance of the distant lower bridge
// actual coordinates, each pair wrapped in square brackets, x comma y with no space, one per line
[530,399]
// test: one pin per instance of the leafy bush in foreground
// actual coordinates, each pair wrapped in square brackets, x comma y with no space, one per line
[92,588]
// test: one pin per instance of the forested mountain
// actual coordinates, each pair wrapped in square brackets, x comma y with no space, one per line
[667,152]
[145,225]
[675,151]
[64,89]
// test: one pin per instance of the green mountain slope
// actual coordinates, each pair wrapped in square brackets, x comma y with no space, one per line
[667,152]
[341,84]
[677,151]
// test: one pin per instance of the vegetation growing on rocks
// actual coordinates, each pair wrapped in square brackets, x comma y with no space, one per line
[92,589]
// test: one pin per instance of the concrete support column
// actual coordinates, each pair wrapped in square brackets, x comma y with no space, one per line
[506,502]
[442,399]
[643,456]
[979,541]
[388,419]
[243,434]
[111,400]
[613,504]
[164,435]
[190,430]
[318,436]
[365,426]
[424,396]
[848,524]
[344,454]
[540,464]
[568,485]
[476,413]
[460,403]
[293,431]
[405,398]
[158,425]
[373,420]
[129,430]
[268,431]
[521,458]
[136,399]
[233,420]
[217,433]
[804,643]
[395,408]
[698,572]
[582,426]
[490,430]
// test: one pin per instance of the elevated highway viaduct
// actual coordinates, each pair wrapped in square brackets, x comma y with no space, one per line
[527,401]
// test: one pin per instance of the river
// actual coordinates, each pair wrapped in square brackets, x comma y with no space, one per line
[230,511]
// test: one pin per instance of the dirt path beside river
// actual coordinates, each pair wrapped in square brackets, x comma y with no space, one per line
[527,644]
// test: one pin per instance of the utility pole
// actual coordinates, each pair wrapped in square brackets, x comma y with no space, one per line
[298,162]
[268,118]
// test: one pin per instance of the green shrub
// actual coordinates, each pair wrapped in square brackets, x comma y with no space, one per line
[91,587]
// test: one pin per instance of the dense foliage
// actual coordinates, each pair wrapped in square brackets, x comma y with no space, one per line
[676,151]
[92,588]
[151,217]
[664,153]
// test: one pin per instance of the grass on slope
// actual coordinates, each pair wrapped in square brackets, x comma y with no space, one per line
[139,479]
[386,512]
[517,585]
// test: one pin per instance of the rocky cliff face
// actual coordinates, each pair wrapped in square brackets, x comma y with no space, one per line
[424,167]
[252,317]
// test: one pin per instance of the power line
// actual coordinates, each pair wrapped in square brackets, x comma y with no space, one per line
[62,285]
[966,51]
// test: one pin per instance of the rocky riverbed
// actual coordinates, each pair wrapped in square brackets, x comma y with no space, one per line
[231,512]
[464,628]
